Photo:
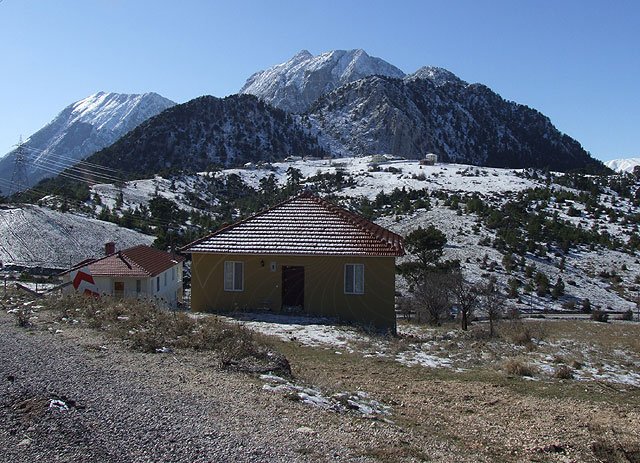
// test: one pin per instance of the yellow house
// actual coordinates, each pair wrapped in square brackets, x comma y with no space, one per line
[303,255]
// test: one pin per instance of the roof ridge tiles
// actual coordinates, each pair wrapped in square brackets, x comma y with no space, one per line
[312,217]
[365,224]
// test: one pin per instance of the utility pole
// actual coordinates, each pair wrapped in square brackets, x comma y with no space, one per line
[19,178]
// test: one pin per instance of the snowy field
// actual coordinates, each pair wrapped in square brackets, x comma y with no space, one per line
[450,348]
[35,236]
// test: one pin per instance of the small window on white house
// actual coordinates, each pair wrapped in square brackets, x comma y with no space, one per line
[165,279]
[138,286]
[173,274]
[157,283]
[233,276]
[354,278]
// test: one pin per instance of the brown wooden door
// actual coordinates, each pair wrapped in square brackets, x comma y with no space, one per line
[292,287]
[118,288]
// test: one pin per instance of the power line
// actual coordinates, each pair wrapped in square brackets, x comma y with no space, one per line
[71,160]
[67,164]
[19,177]
[52,166]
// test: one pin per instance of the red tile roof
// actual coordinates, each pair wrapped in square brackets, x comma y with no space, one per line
[136,262]
[303,225]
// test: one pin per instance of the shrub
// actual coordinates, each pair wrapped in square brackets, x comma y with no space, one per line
[524,333]
[627,315]
[563,372]
[23,317]
[149,329]
[599,316]
[518,367]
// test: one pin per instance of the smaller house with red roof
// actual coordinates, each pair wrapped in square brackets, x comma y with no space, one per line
[139,272]
[303,255]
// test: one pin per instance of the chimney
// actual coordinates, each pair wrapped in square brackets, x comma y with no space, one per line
[109,248]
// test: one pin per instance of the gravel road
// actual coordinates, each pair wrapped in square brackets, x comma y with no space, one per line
[122,406]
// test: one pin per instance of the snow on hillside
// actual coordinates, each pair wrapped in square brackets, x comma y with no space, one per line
[138,193]
[468,240]
[32,236]
[623,165]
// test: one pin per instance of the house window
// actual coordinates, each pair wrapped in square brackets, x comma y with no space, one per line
[138,286]
[173,274]
[233,276]
[157,283]
[354,278]
[165,279]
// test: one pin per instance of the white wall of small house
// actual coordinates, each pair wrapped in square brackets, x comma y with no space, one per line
[170,285]
[168,291]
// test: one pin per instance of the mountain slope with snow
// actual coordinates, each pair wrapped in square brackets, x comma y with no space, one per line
[295,84]
[623,165]
[209,131]
[435,112]
[32,236]
[80,130]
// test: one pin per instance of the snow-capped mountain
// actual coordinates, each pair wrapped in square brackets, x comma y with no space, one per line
[81,129]
[206,132]
[623,165]
[433,111]
[297,83]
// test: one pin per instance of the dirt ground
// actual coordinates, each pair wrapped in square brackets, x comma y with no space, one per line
[180,406]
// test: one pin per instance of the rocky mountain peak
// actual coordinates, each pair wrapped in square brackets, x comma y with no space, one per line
[295,84]
[437,75]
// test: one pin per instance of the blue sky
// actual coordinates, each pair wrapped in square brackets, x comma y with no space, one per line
[578,62]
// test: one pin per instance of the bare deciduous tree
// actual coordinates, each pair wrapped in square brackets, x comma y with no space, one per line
[434,297]
[466,295]
[493,303]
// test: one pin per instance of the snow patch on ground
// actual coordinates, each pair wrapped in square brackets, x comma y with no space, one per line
[308,331]
[341,402]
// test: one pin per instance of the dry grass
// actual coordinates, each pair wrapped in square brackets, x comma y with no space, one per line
[523,333]
[563,372]
[607,337]
[519,367]
[150,329]
[433,405]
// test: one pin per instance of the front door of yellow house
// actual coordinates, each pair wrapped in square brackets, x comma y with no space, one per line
[292,288]
[118,288]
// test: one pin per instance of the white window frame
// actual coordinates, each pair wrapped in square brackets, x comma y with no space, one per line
[354,282]
[230,276]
